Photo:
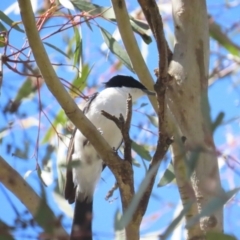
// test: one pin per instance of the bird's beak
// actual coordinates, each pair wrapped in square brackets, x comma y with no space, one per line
[148,92]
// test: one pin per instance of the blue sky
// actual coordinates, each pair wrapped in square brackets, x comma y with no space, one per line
[223,96]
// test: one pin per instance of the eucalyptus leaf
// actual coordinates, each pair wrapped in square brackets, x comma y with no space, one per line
[141,151]
[116,49]
[80,80]
[128,214]
[56,48]
[167,177]
[153,120]
[9,21]
[117,223]
[175,222]
[78,47]
[222,38]
[218,121]
[212,206]
[107,12]
[59,119]
[2,27]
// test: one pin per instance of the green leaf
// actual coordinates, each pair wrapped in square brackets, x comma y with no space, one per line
[117,223]
[9,21]
[140,23]
[167,177]
[78,47]
[153,120]
[2,27]
[60,119]
[107,12]
[219,236]
[212,206]
[218,121]
[175,222]
[128,214]
[141,151]
[80,82]
[56,48]
[146,38]
[222,38]
[143,105]
[22,152]
[135,163]
[116,49]
[94,9]
[25,90]
[44,215]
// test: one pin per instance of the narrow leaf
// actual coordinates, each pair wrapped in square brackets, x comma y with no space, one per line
[28,173]
[153,120]
[2,27]
[80,81]
[117,223]
[145,37]
[167,177]
[56,48]
[107,12]
[128,214]
[141,151]
[216,203]
[143,105]
[222,38]
[59,119]
[218,121]
[67,4]
[94,9]
[116,49]
[78,47]
[9,21]
[175,222]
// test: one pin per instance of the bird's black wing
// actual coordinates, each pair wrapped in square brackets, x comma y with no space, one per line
[70,187]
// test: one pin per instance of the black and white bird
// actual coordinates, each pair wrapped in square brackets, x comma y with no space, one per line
[81,181]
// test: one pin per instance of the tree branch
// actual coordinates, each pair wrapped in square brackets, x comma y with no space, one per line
[55,86]
[188,102]
[132,48]
[14,182]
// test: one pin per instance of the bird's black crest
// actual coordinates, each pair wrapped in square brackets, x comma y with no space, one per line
[124,81]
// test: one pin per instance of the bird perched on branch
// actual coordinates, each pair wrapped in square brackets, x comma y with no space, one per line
[81,181]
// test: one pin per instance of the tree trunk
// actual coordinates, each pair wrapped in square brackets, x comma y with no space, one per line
[188,101]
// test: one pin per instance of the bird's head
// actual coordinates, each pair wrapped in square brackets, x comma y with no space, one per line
[129,85]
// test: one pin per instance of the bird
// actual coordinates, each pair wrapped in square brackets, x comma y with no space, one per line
[82,180]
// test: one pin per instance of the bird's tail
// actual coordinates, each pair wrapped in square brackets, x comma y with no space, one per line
[82,221]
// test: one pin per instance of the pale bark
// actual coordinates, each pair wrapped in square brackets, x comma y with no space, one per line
[188,101]
[132,48]
[122,170]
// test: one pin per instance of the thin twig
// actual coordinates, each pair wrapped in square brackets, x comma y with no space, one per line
[124,126]
[111,191]
[154,20]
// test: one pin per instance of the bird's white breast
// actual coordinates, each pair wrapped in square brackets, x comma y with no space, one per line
[113,101]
